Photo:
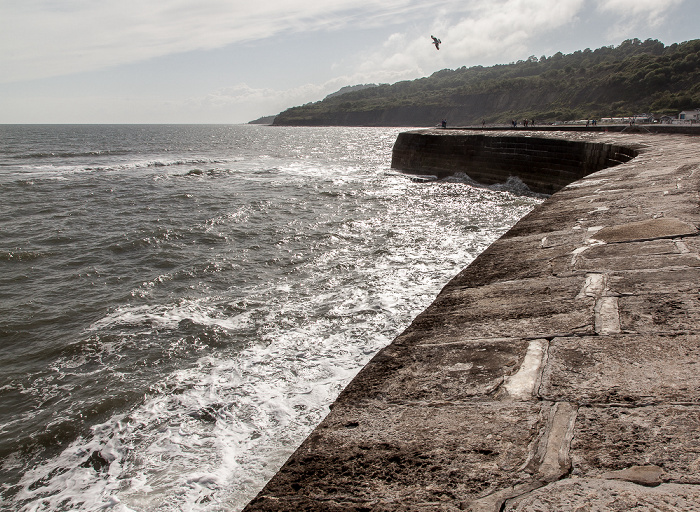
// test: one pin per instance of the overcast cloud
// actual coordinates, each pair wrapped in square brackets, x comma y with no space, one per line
[232,61]
[43,38]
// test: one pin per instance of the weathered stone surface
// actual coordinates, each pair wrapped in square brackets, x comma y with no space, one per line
[407,457]
[646,281]
[623,369]
[597,495]
[558,372]
[448,370]
[615,438]
[649,229]
[660,313]
[539,307]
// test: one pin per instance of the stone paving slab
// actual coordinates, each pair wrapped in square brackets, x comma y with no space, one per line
[544,307]
[608,258]
[606,253]
[623,369]
[610,439]
[379,455]
[588,262]
[597,495]
[659,313]
[648,229]
[647,281]
[498,263]
[450,370]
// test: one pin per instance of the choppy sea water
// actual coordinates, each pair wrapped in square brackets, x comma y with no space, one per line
[179,305]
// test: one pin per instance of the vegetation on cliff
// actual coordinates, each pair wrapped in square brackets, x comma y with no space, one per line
[634,77]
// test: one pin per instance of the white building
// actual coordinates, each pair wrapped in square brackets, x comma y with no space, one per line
[689,116]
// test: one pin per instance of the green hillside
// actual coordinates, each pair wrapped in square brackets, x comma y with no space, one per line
[634,77]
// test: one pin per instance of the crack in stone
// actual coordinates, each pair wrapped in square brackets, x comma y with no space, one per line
[651,239]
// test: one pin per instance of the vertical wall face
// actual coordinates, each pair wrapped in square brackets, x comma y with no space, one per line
[543,164]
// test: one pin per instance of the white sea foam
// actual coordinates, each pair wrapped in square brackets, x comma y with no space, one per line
[170,316]
[61,171]
[512,184]
[260,404]
[322,291]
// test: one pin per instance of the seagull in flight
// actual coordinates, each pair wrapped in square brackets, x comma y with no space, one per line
[436,42]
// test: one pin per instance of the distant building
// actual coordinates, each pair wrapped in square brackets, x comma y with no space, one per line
[615,120]
[643,118]
[637,118]
[689,116]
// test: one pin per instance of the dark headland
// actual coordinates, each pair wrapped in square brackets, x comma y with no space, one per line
[560,371]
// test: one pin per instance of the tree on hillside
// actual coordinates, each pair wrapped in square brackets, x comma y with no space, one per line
[636,76]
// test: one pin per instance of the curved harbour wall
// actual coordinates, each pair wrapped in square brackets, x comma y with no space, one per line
[556,372]
[543,164]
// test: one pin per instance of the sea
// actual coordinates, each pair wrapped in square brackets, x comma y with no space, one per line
[180,304]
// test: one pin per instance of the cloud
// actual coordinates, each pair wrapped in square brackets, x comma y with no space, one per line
[485,28]
[363,41]
[651,10]
[41,38]
[501,29]
[633,14]
[240,102]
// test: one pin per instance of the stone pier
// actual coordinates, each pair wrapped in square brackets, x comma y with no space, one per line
[560,371]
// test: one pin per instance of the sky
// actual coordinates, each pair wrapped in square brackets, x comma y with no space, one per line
[232,61]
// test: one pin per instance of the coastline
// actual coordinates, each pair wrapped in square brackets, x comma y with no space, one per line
[545,369]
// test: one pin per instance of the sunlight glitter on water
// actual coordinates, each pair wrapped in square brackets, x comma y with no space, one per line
[236,307]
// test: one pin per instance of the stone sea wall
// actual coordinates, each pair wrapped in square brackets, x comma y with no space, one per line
[559,371]
[543,164]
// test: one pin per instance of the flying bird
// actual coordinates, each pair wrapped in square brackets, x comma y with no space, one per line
[436,42]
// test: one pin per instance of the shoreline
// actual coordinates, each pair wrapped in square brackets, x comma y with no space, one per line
[557,370]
